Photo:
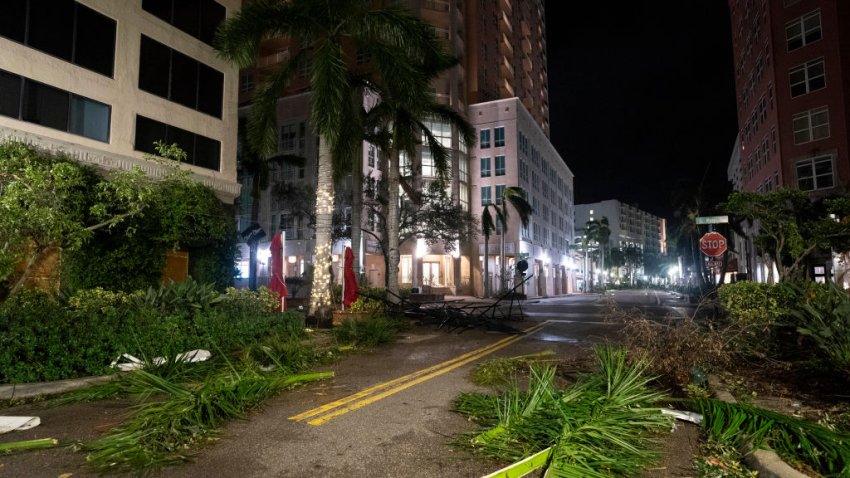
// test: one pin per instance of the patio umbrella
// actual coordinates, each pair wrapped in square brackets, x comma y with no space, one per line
[276,283]
[349,280]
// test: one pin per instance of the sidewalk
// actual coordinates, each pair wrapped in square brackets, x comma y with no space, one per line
[29,390]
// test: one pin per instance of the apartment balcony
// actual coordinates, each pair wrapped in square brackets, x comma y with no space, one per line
[524,28]
[505,88]
[505,25]
[506,69]
[505,47]
[505,6]
[527,83]
[526,64]
[525,44]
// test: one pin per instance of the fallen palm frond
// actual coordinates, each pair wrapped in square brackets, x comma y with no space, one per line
[825,450]
[502,371]
[162,430]
[603,425]
[28,445]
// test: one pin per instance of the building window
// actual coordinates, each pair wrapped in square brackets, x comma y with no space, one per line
[500,191]
[428,169]
[200,151]
[27,100]
[485,195]
[246,82]
[485,167]
[500,165]
[811,125]
[499,137]
[484,139]
[464,198]
[803,30]
[198,18]
[174,76]
[463,170]
[288,137]
[815,173]
[807,78]
[371,156]
[64,29]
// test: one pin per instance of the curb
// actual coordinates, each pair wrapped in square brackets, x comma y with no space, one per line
[30,390]
[767,463]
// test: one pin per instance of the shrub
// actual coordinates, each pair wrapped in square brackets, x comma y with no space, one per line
[367,333]
[824,315]
[42,340]
[755,304]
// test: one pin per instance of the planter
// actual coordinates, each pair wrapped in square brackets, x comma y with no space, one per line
[339,316]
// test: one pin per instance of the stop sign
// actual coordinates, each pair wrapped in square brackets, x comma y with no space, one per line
[712,244]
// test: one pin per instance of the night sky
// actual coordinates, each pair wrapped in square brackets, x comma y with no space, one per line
[642,98]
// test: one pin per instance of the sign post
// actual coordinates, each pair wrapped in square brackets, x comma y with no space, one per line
[712,244]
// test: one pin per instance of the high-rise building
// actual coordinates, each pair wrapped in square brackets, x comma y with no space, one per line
[503,56]
[102,80]
[629,225]
[506,57]
[791,63]
[791,59]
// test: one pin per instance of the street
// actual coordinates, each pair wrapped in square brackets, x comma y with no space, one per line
[387,413]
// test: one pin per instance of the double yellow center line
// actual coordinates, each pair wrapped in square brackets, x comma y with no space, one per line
[324,413]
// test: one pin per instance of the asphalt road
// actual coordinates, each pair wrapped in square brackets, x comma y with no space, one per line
[387,413]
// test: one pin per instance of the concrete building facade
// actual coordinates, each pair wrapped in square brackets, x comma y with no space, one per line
[791,63]
[513,150]
[630,226]
[102,80]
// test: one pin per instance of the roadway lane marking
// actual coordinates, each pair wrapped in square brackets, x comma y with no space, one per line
[365,397]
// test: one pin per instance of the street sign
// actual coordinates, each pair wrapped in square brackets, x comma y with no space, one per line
[712,244]
[714,263]
[712,219]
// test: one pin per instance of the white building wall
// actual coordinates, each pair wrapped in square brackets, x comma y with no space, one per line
[551,227]
[126,100]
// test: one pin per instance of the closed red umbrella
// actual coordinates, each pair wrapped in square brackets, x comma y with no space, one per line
[349,280]
[276,283]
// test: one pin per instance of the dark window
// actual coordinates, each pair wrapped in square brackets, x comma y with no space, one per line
[187,16]
[13,21]
[51,27]
[210,88]
[52,107]
[10,95]
[89,118]
[212,14]
[179,78]
[158,8]
[184,80]
[45,105]
[199,18]
[62,28]
[94,43]
[200,151]
[148,132]
[154,67]
[207,152]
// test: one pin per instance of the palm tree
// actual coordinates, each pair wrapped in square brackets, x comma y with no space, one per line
[515,196]
[600,232]
[397,124]
[396,43]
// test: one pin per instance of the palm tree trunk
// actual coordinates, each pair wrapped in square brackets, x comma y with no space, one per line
[393,224]
[320,297]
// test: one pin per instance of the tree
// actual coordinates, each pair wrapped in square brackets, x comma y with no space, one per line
[599,232]
[514,196]
[791,226]
[50,201]
[397,124]
[436,218]
[394,40]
